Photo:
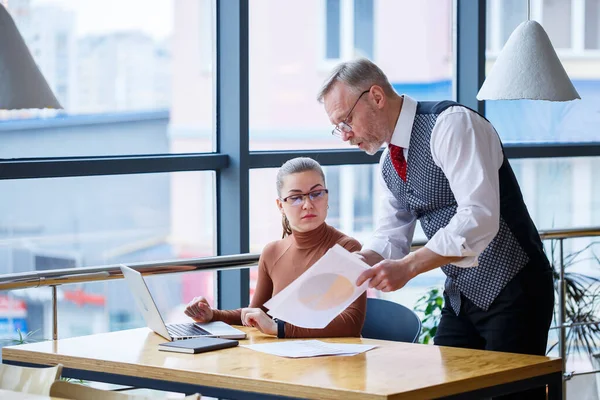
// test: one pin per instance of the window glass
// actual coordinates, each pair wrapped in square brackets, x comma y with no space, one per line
[592,22]
[364,28]
[528,121]
[333,16]
[133,77]
[556,20]
[288,66]
[106,220]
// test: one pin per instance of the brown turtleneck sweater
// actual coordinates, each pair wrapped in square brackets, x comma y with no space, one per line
[282,261]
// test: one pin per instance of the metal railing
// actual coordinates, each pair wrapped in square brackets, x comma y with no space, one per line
[560,236]
[58,277]
[55,278]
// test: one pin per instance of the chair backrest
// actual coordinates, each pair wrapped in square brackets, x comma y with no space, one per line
[387,320]
[28,380]
[75,391]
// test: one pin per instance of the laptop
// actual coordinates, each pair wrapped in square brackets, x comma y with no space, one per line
[172,332]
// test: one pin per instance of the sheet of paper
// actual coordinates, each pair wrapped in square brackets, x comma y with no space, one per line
[309,348]
[320,294]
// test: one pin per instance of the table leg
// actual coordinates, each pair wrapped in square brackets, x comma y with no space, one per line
[555,386]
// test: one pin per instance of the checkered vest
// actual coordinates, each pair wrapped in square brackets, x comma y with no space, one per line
[427,194]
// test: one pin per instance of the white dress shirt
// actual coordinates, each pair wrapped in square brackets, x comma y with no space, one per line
[467,149]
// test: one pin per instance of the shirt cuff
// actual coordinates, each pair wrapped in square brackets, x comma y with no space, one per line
[384,248]
[448,244]
[379,246]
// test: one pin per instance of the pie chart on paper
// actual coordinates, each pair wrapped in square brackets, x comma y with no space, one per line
[325,291]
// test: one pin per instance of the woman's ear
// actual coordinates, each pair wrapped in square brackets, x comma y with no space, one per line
[279,205]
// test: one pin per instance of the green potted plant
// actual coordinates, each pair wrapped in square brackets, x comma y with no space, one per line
[430,305]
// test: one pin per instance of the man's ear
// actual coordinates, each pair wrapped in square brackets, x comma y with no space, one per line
[378,96]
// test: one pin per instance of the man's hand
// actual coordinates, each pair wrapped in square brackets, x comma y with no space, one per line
[199,310]
[257,318]
[388,275]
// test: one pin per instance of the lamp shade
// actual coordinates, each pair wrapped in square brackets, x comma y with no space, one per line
[528,68]
[22,85]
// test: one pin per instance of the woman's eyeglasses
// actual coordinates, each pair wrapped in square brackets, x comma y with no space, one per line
[298,199]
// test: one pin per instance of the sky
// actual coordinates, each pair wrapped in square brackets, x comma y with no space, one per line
[154,17]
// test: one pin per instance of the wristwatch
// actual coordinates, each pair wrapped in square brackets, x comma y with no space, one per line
[280,328]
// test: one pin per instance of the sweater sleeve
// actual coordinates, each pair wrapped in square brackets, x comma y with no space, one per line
[350,244]
[262,293]
[350,321]
[231,317]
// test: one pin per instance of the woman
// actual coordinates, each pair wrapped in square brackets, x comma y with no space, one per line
[306,238]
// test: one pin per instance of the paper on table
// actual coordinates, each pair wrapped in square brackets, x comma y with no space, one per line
[321,293]
[309,348]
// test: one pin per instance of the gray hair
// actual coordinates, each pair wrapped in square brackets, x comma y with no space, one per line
[295,166]
[358,75]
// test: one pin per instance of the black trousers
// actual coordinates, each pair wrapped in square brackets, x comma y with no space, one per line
[516,322]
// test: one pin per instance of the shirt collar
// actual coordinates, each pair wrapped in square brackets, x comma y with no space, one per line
[401,135]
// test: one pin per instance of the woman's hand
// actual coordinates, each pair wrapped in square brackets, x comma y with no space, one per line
[257,318]
[199,310]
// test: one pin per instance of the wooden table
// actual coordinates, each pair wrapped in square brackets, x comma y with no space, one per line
[391,371]
[9,394]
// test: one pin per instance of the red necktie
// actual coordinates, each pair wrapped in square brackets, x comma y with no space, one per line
[398,160]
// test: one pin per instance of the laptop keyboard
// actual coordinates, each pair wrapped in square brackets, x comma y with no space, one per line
[186,330]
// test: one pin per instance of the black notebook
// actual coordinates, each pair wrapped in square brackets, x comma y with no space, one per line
[197,345]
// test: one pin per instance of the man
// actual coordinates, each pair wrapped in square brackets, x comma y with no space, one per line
[444,166]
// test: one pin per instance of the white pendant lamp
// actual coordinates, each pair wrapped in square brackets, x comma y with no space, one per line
[22,85]
[528,68]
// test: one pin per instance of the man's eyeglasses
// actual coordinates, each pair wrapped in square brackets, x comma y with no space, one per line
[344,126]
[298,199]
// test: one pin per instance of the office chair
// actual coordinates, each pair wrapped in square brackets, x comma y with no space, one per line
[387,320]
[28,380]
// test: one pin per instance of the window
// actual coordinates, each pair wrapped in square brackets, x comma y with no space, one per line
[560,193]
[526,121]
[592,21]
[333,29]
[363,28]
[358,28]
[105,220]
[287,69]
[363,183]
[107,306]
[556,18]
[572,25]
[111,65]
